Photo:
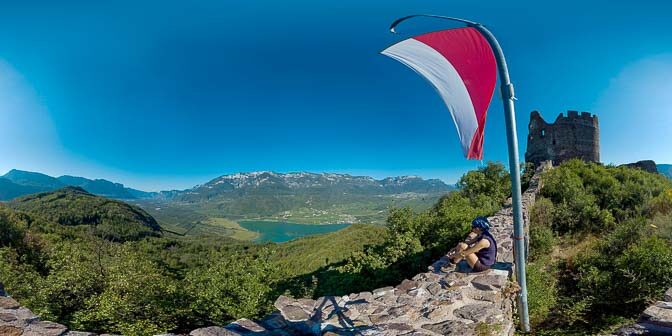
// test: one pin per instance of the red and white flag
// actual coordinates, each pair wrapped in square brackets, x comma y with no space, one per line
[461,66]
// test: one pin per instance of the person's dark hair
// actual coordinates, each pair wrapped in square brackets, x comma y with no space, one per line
[481,223]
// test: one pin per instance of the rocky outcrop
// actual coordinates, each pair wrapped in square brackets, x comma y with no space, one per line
[655,320]
[445,300]
[645,165]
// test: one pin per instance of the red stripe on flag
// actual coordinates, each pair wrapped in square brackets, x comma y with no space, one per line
[470,53]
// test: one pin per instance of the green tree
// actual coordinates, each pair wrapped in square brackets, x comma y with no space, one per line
[232,287]
[138,299]
[488,186]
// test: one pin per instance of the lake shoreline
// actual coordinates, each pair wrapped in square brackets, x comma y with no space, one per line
[279,232]
[287,222]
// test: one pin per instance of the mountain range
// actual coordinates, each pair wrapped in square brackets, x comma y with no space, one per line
[18,183]
[264,183]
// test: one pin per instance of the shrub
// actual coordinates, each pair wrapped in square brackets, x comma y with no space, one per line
[542,238]
[644,271]
[661,226]
[589,197]
[137,299]
[542,288]
[526,175]
[542,241]
[661,204]
[488,186]
[624,270]
[232,287]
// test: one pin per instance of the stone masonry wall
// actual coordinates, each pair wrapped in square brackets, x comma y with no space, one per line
[655,320]
[572,136]
[445,300]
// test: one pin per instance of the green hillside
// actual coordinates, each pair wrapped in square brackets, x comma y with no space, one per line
[9,189]
[308,254]
[153,285]
[601,248]
[73,206]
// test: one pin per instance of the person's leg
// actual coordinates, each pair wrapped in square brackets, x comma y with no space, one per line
[472,259]
[478,267]
[459,248]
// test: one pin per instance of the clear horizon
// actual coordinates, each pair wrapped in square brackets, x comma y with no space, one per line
[162,96]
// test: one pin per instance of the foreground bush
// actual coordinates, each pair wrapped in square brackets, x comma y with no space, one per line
[231,287]
[612,230]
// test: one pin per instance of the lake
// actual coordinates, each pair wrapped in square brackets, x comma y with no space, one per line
[279,232]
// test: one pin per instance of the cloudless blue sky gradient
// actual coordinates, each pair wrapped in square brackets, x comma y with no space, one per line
[162,95]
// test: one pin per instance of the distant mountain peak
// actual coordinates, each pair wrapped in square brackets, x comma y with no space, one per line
[40,181]
[298,183]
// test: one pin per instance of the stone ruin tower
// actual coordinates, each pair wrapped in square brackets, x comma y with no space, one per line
[573,136]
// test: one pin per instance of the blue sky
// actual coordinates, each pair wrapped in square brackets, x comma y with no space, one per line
[161,95]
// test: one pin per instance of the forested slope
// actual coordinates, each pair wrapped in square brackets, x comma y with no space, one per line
[74,206]
[601,247]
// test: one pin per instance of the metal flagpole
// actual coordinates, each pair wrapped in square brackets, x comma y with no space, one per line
[508,97]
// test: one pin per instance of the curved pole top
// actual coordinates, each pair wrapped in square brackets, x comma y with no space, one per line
[398,21]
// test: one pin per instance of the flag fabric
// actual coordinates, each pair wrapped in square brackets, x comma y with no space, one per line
[461,66]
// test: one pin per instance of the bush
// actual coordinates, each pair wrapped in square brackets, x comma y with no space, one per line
[542,288]
[232,287]
[137,299]
[542,241]
[542,237]
[487,186]
[624,270]
[644,271]
[661,204]
[661,226]
[589,197]
[528,170]
[618,224]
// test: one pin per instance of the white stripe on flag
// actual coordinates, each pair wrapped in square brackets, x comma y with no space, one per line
[437,70]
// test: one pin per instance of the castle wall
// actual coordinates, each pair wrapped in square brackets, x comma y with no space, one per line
[572,136]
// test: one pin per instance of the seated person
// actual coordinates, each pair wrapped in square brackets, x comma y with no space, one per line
[479,248]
